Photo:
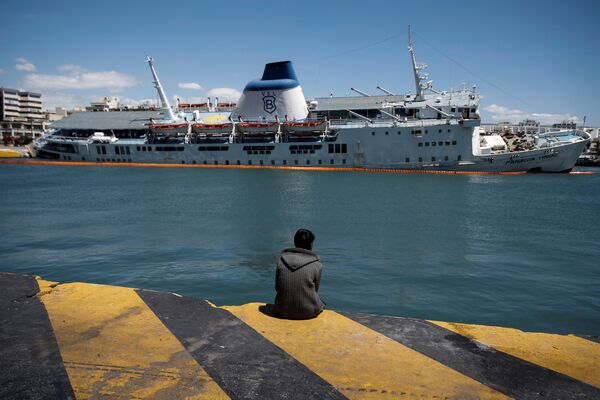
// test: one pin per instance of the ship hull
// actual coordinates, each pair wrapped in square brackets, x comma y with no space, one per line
[440,147]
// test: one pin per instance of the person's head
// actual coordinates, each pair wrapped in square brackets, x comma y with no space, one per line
[304,239]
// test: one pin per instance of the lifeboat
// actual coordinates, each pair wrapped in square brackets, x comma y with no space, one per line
[168,129]
[306,128]
[213,129]
[258,128]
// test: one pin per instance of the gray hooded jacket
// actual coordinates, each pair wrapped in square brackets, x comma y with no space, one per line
[297,281]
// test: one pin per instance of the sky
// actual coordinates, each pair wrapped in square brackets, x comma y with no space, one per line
[529,59]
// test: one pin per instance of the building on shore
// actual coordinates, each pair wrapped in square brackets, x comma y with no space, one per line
[21,114]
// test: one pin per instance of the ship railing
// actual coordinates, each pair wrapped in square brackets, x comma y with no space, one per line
[391,122]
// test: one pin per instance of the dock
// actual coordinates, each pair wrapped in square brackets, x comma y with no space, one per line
[82,340]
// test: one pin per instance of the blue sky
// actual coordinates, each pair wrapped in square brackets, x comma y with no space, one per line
[529,58]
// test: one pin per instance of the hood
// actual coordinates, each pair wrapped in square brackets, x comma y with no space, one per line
[296,258]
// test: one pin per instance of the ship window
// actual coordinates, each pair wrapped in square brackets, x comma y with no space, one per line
[183,161]
[311,151]
[149,148]
[296,162]
[117,149]
[453,109]
[454,143]
[420,159]
[103,149]
[373,133]
[426,144]
[272,162]
[446,158]
[226,162]
[432,158]
[180,148]
[320,162]
[449,130]
[433,144]
[224,148]
[127,150]
[440,143]
[407,159]
[268,151]
[330,161]
[426,131]
[420,144]
[238,162]
[194,162]
[386,133]
[261,162]
[158,148]
[249,162]
[459,158]
[472,110]
[338,148]
[293,151]
[344,161]
[204,162]
[399,132]
[344,148]
[284,162]
[307,162]
[138,148]
[330,148]
[439,131]
[447,143]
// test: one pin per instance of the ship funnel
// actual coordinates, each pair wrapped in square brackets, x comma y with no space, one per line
[277,95]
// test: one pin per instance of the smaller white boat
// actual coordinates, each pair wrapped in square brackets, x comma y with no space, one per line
[213,129]
[306,128]
[258,128]
[168,129]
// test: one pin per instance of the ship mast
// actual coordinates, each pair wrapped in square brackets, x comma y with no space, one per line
[166,107]
[421,82]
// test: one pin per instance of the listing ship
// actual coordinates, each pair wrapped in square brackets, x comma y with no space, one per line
[273,125]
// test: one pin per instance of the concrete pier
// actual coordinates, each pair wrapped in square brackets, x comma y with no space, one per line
[79,340]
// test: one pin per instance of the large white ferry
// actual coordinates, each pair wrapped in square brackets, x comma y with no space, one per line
[273,125]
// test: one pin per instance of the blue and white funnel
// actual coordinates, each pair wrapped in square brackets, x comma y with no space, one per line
[277,94]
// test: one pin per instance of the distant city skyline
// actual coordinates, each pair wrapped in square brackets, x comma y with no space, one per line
[534,60]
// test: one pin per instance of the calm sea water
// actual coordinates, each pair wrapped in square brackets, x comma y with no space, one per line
[519,251]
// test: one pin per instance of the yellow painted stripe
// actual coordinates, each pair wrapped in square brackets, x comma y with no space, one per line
[281,167]
[359,362]
[570,355]
[113,345]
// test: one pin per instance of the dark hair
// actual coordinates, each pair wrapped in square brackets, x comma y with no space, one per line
[304,239]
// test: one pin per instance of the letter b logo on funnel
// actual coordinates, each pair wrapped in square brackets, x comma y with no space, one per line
[269,104]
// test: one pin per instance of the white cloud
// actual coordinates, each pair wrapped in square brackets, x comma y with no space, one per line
[59,99]
[225,94]
[24,65]
[71,68]
[189,86]
[76,77]
[513,115]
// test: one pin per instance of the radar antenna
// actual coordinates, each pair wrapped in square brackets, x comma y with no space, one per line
[166,107]
[421,80]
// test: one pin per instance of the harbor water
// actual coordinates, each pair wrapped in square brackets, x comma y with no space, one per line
[519,251]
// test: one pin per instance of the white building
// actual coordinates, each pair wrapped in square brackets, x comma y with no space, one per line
[21,113]
[107,103]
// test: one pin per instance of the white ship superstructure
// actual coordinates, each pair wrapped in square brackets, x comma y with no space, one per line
[273,125]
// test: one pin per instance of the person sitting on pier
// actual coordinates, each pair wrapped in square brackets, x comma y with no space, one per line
[297,280]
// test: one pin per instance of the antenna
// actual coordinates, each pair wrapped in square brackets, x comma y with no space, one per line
[420,86]
[360,92]
[167,111]
[385,91]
